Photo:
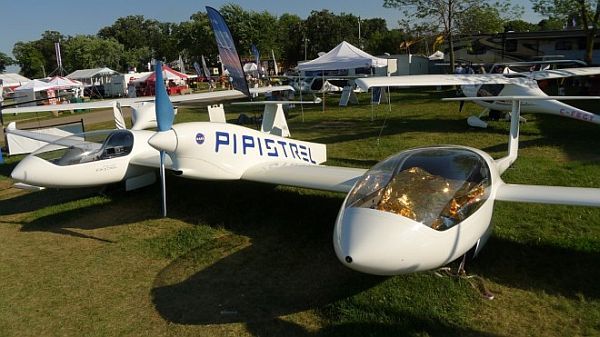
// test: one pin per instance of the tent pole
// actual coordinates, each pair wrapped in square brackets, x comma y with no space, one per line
[323,87]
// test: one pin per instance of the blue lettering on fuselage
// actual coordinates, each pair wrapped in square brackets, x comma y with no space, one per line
[226,141]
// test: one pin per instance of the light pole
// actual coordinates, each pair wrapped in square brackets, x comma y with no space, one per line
[359,42]
[305,48]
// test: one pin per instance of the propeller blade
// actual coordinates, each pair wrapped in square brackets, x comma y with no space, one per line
[164,109]
[163,184]
[164,120]
[462,104]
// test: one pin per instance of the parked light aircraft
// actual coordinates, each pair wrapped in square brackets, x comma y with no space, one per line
[483,85]
[417,210]
[212,96]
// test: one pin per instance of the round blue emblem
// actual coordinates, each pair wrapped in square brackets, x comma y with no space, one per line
[199,138]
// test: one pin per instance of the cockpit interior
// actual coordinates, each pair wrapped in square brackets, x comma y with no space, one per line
[87,147]
[439,187]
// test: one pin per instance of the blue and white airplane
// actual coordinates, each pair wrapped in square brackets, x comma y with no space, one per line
[417,210]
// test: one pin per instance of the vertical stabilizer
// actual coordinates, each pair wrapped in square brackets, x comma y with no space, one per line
[513,140]
[216,113]
[274,121]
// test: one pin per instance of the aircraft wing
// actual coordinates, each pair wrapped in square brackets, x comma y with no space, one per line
[431,80]
[579,196]
[262,90]
[321,177]
[213,96]
[566,72]
[55,139]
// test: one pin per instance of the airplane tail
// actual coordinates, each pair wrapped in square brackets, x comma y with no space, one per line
[119,119]
[227,51]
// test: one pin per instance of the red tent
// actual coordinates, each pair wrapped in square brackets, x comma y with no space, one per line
[175,82]
[168,74]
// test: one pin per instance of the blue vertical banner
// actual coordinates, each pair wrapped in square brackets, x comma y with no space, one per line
[205,69]
[256,54]
[229,56]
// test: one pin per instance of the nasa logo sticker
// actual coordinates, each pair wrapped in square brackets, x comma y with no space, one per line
[200,138]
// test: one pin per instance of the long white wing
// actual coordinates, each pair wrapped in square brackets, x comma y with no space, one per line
[200,97]
[566,72]
[321,177]
[559,195]
[46,138]
[262,90]
[431,80]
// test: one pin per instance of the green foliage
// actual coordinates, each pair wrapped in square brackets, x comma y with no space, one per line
[520,26]
[585,13]
[5,60]
[84,52]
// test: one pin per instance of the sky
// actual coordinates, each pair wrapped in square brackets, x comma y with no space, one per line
[26,20]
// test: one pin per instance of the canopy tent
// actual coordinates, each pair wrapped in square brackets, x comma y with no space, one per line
[343,56]
[60,82]
[34,89]
[168,74]
[438,55]
[34,86]
[12,80]
[250,67]
[93,76]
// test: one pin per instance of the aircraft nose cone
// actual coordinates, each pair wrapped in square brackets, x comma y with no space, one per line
[164,141]
[380,243]
[19,173]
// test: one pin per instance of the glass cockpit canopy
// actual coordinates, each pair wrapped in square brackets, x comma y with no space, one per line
[87,147]
[439,187]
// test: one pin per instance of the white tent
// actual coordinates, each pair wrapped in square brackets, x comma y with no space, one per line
[93,76]
[343,56]
[35,86]
[59,82]
[12,80]
[27,92]
[438,55]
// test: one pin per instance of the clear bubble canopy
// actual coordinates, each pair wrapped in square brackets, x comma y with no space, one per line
[437,186]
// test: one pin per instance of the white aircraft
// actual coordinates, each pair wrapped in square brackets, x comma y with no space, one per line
[484,85]
[417,210]
[212,97]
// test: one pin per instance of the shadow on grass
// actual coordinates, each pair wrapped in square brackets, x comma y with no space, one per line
[549,269]
[407,325]
[279,261]
[41,199]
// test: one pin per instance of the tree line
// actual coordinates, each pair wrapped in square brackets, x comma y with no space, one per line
[132,41]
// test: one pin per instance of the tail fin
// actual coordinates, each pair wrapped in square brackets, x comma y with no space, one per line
[227,51]
[118,114]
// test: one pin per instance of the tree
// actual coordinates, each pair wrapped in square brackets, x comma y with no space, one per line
[83,52]
[520,26]
[440,15]
[481,19]
[586,14]
[5,60]
[30,59]
[290,38]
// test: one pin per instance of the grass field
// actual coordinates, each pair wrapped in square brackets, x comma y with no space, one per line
[245,259]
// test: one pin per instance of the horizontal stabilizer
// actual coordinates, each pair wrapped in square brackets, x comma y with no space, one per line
[276,102]
[28,187]
[520,98]
[431,80]
[263,90]
[579,196]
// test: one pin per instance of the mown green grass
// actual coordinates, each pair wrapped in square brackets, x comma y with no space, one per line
[247,259]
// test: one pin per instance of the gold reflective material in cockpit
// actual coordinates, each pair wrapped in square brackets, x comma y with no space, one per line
[416,194]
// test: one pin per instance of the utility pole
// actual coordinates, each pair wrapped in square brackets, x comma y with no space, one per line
[305,48]
[359,40]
